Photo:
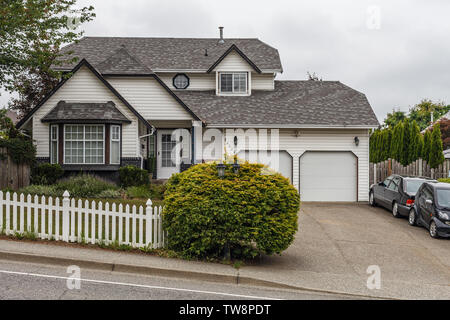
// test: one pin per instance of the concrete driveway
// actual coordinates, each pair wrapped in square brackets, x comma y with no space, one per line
[336,244]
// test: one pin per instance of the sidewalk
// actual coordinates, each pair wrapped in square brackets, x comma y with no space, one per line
[263,274]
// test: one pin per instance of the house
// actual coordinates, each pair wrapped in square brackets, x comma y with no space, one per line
[126,97]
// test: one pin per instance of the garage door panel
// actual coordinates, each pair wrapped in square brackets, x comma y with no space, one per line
[328,176]
[284,165]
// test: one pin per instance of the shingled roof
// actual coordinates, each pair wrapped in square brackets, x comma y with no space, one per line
[292,103]
[172,53]
[82,112]
[122,62]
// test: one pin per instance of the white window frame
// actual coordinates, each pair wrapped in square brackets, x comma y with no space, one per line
[84,144]
[115,140]
[233,92]
[52,140]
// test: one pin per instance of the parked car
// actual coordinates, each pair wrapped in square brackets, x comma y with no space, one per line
[432,209]
[396,193]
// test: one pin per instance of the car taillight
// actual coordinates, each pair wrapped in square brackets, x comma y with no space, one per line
[410,202]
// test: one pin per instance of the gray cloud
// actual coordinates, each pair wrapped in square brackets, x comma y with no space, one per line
[395,66]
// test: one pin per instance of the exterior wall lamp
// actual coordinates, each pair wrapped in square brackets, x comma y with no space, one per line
[221,170]
[236,167]
[356,141]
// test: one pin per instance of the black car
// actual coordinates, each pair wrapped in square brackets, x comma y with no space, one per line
[396,193]
[432,209]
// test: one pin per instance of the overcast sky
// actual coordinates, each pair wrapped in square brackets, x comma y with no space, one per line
[396,52]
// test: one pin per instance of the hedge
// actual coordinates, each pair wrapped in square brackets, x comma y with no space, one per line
[247,215]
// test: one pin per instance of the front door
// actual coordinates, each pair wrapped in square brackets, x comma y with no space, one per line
[166,155]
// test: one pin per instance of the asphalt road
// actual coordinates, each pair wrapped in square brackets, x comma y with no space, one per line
[45,282]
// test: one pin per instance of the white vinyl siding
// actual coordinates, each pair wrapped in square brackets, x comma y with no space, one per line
[149,98]
[84,86]
[297,142]
[204,81]
[263,81]
[234,62]
[207,81]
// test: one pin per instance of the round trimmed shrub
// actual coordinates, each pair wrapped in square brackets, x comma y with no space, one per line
[246,215]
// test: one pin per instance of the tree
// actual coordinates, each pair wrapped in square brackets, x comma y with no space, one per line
[396,142]
[426,146]
[416,145]
[436,152]
[31,35]
[392,119]
[405,143]
[421,112]
[445,132]
[313,77]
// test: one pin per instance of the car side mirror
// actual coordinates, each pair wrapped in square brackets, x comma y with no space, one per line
[381,184]
[429,202]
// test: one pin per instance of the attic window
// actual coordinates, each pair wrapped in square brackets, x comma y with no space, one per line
[181,81]
[233,83]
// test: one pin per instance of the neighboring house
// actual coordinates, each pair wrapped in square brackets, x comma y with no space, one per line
[127,95]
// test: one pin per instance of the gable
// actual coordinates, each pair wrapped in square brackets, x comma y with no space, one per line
[234,62]
[150,98]
[84,86]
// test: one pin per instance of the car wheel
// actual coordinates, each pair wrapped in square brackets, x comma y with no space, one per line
[372,199]
[433,230]
[412,218]
[395,210]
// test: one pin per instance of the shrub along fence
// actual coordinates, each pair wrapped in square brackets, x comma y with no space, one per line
[13,175]
[83,222]
[380,171]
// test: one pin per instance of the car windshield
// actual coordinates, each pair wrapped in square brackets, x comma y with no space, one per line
[413,185]
[443,197]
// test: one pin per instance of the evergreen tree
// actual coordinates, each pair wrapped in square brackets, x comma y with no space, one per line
[406,142]
[396,142]
[436,152]
[415,147]
[426,146]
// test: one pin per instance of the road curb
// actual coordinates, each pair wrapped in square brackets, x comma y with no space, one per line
[171,273]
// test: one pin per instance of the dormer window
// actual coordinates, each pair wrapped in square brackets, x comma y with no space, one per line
[233,82]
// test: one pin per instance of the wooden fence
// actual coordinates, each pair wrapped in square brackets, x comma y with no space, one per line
[84,222]
[380,171]
[12,175]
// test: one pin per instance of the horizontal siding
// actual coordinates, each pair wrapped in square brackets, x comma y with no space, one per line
[233,62]
[263,81]
[296,144]
[203,81]
[149,98]
[84,86]
[330,140]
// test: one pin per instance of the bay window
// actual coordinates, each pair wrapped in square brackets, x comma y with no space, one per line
[115,145]
[84,144]
[233,83]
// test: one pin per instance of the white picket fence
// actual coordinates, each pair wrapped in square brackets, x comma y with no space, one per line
[71,221]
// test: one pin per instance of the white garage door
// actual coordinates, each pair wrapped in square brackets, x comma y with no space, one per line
[328,176]
[279,161]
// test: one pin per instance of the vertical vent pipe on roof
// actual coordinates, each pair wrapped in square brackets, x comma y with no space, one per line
[221,35]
